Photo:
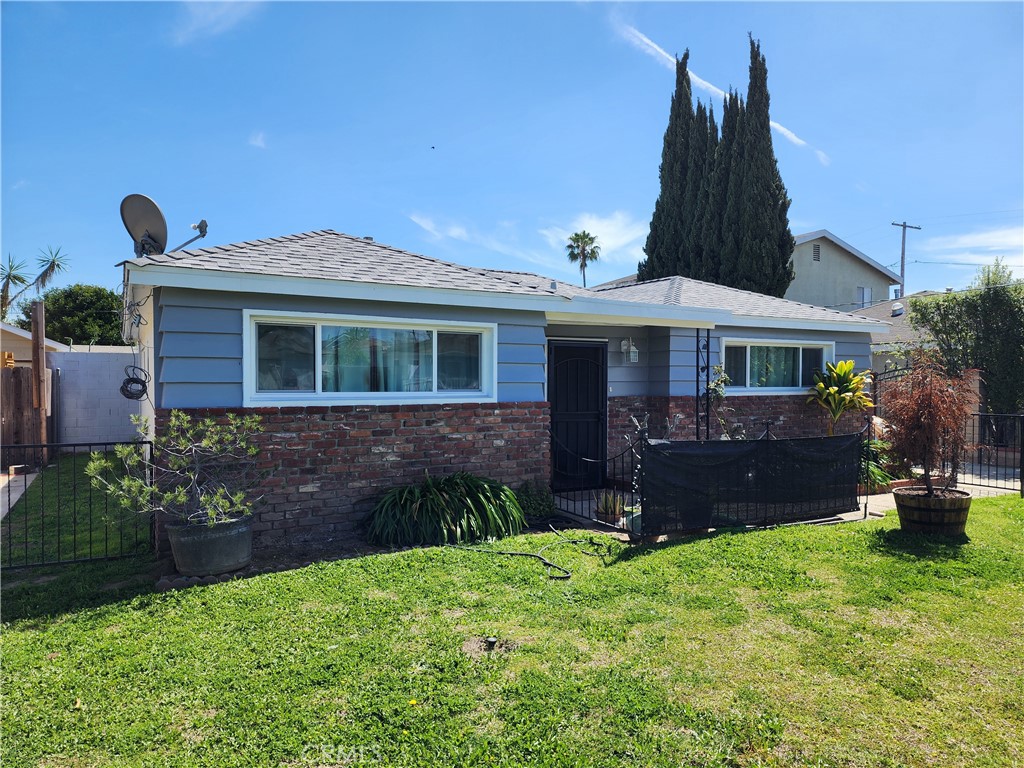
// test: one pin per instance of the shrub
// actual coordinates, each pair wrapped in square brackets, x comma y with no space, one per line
[457,509]
[839,390]
[536,501]
[926,409]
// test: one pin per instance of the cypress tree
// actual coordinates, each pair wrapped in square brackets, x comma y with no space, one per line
[671,223]
[691,246]
[763,259]
[732,164]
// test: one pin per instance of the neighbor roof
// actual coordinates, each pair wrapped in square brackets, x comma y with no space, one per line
[824,233]
[902,331]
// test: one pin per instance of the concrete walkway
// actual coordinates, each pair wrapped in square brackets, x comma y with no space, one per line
[11,488]
[881,503]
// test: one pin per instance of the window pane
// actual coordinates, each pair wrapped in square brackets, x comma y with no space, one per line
[377,359]
[774,366]
[285,358]
[458,361]
[812,361]
[736,366]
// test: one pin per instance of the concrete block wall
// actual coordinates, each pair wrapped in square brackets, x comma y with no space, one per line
[92,408]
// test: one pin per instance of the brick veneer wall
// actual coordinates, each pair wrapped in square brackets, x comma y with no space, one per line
[790,415]
[327,465]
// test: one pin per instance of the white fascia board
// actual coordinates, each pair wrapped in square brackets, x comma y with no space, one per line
[808,325]
[240,282]
[584,310]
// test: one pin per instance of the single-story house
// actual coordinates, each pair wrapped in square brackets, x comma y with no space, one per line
[371,365]
[16,346]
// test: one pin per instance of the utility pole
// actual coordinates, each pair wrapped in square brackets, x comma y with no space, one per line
[903,256]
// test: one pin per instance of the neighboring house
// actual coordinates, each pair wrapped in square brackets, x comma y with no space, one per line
[888,350]
[18,343]
[372,365]
[830,272]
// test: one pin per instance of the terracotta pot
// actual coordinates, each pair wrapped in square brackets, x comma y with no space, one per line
[944,514]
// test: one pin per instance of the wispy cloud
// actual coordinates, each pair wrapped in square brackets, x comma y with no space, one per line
[979,248]
[258,139]
[206,20]
[19,184]
[619,235]
[642,43]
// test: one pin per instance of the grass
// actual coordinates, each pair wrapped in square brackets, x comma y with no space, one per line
[851,645]
[60,518]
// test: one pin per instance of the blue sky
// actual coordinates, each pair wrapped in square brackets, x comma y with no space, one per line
[486,133]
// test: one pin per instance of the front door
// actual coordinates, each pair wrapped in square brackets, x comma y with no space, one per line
[577,387]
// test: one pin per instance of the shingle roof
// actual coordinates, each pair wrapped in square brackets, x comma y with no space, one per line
[685,292]
[902,331]
[329,255]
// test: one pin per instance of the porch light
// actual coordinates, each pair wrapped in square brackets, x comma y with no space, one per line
[629,351]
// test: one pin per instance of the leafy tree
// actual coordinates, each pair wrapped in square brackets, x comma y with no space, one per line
[671,222]
[583,248]
[983,328]
[82,314]
[13,277]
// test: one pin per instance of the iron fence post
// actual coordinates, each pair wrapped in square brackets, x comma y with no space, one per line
[1020,454]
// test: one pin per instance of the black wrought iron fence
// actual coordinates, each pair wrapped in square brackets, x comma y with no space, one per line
[993,457]
[655,487]
[605,491]
[52,514]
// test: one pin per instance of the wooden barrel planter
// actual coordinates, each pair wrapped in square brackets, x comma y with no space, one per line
[944,514]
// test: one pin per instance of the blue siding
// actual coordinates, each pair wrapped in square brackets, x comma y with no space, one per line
[624,378]
[199,342]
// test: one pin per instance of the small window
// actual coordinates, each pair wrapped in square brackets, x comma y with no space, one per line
[816,252]
[863,297]
[286,358]
[812,360]
[772,366]
[458,362]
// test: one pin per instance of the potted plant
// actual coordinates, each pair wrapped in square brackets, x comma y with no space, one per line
[926,409]
[198,481]
[838,390]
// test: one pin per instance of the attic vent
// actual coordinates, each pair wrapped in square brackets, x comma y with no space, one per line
[897,309]
[367,237]
[816,252]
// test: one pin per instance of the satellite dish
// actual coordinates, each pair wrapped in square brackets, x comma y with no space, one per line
[145,223]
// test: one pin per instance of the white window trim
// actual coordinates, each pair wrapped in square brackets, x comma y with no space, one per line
[828,356]
[251,398]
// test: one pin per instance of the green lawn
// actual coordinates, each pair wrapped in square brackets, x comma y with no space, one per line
[850,645]
[61,518]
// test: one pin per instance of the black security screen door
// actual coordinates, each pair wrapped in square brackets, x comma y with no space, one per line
[577,386]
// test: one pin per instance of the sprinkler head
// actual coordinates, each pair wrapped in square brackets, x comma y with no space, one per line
[491,642]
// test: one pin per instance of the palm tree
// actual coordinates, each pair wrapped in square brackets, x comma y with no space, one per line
[583,248]
[12,276]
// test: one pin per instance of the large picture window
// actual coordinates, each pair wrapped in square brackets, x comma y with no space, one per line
[304,358]
[772,365]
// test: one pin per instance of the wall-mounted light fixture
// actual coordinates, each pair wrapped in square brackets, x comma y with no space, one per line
[630,354]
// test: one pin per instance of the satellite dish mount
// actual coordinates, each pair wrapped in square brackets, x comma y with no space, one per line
[147,226]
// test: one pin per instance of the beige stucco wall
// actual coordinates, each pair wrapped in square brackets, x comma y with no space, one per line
[22,348]
[833,281]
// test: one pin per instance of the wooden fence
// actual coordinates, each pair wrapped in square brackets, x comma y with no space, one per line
[19,420]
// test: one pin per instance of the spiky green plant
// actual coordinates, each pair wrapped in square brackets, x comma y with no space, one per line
[456,509]
[839,390]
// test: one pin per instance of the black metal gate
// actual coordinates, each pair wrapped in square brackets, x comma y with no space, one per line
[577,392]
[994,457]
[52,514]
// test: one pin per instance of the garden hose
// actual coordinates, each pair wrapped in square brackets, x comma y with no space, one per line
[563,573]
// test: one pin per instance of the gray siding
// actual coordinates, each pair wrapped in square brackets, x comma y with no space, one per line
[199,342]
